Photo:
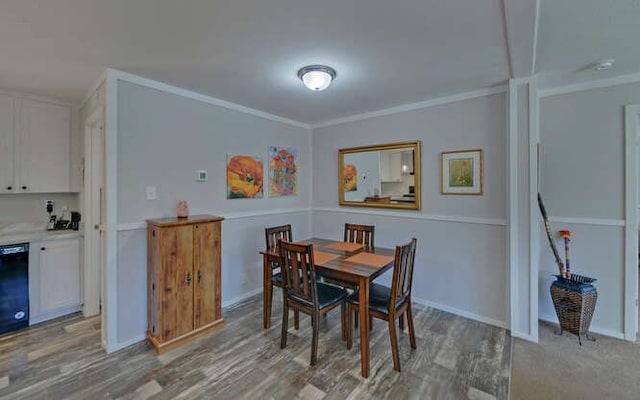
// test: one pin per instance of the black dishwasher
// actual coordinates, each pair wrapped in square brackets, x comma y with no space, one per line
[14,287]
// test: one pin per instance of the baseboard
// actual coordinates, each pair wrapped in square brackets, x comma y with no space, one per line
[55,314]
[524,336]
[461,313]
[242,297]
[127,343]
[594,328]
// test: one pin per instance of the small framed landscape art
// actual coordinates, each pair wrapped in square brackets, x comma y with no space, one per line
[461,172]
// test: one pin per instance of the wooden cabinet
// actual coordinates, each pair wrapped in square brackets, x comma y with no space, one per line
[184,279]
[54,278]
[35,138]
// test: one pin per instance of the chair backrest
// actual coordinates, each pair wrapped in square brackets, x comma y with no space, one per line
[275,233]
[363,234]
[402,273]
[298,273]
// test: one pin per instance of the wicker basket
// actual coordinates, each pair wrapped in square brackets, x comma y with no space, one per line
[574,300]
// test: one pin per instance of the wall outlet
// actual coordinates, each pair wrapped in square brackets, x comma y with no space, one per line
[49,206]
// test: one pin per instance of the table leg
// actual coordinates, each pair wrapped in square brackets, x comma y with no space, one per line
[266,291]
[364,325]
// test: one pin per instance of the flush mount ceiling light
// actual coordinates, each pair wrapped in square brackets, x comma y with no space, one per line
[602,64]
[317,77]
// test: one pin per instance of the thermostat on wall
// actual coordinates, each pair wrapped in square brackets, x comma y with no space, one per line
[201,176]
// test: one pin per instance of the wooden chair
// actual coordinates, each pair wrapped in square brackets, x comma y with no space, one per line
[354,233]
[362,234]
[304,293]
[272,236]
[390,303]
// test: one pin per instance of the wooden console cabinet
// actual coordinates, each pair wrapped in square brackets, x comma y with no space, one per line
[184,262]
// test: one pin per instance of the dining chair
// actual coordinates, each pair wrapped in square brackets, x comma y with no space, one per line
[389,303]
[362,234]
[272,236]
[304,293]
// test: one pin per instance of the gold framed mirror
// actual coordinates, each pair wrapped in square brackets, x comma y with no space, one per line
[384,176]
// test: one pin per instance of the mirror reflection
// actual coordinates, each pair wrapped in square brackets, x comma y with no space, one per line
[381,176]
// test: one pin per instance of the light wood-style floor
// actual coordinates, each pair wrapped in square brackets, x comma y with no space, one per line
[456,359]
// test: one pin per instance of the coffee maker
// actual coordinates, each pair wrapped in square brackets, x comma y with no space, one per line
[75,220]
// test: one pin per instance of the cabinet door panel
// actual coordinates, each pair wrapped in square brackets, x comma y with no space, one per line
[59,274]
[177,280]
[207,271]
[44,146]
[6,144]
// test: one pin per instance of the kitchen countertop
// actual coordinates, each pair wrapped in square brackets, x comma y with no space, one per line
[11,233]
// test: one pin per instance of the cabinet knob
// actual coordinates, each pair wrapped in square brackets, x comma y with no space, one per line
[189,279]
[24,188]
[199,276]
[9,187]
[43,248]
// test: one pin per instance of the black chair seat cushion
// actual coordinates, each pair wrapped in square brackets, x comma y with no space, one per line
[327,295]
[330,294]
[379,298]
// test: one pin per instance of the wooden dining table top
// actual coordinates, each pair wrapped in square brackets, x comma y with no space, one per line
[343,263]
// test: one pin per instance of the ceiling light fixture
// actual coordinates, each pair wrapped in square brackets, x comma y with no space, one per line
[603,64]
[317,77]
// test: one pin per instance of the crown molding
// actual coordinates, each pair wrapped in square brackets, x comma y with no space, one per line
[96,84]
[588,85]
[415,106]
[28,96]
[164,87]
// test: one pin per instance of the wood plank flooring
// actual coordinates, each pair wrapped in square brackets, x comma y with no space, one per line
[456,358]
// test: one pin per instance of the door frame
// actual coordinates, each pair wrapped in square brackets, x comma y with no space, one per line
[93,268]
[632,131]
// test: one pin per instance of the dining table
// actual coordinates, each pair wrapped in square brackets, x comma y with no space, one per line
[345,261]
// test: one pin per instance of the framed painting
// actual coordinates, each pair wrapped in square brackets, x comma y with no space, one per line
[244,177]
[350,178]
[461,172]
[283,171]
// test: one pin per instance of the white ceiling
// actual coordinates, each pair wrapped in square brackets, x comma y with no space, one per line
[387,53]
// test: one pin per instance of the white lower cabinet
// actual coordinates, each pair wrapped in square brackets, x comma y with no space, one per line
[54,278]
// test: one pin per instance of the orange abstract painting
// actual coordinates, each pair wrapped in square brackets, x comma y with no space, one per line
[244,177]
[283,171]
[350,178]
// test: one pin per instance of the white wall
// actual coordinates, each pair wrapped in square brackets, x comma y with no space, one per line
[461,257]
[582,182]
[163,139]
[30,208]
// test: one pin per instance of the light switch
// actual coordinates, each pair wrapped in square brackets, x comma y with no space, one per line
[151,193]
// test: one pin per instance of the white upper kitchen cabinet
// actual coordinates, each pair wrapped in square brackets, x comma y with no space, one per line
[36,146]
[390,166]
[7,111]
[44,147]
